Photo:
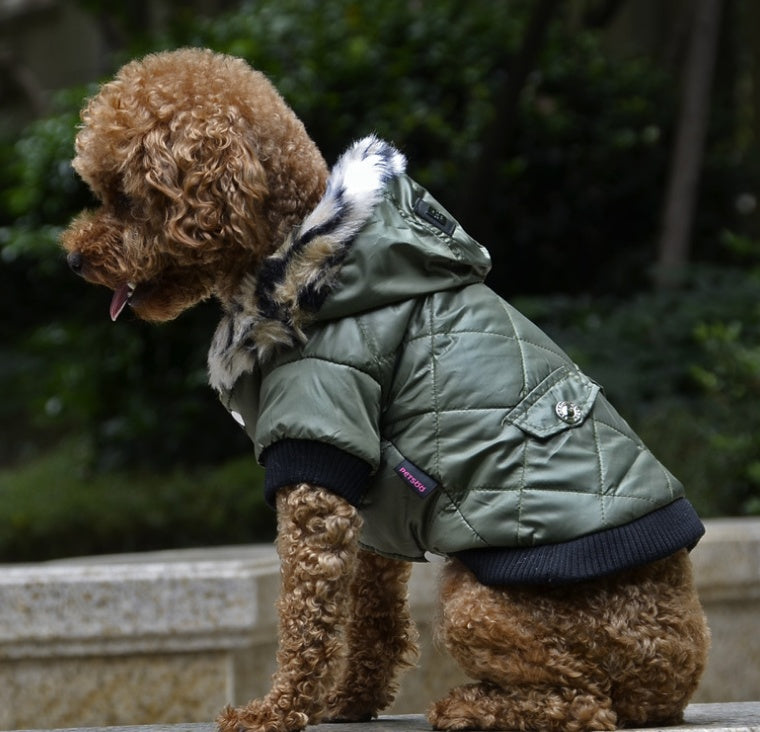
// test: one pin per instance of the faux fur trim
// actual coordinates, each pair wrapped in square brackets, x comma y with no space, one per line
[274,305]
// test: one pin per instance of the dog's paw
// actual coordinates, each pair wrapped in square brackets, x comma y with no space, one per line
[260,716]
[347,708]
[341,716]
[485,706]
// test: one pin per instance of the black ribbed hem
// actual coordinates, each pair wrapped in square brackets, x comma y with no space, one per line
[654,536]
[290,462]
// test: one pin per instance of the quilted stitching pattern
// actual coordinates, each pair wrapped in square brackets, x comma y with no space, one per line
[427,367]
[474,403]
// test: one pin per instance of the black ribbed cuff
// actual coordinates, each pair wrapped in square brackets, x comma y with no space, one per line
[289,462]
[654,536]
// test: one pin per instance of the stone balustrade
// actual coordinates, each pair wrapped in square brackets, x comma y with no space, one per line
[171,637]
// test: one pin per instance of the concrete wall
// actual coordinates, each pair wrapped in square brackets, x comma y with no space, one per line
[172,637]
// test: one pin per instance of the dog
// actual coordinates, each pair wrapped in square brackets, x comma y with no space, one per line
[401,409]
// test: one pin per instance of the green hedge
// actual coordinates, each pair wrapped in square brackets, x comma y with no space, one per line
[55,506]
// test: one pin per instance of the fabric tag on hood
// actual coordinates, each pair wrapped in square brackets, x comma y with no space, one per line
[433,216]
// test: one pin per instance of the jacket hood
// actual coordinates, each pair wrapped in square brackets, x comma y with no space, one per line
[375,238]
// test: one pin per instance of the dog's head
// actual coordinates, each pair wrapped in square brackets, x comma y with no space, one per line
[200,169]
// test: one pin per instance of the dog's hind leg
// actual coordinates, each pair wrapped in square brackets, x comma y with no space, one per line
[381,639]
[657,642]
[485,706]
[624,650]
[531,675]
[318,544]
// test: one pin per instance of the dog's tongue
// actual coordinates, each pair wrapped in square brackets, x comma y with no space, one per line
[119,300]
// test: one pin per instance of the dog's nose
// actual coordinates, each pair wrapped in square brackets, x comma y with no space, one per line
[75,261]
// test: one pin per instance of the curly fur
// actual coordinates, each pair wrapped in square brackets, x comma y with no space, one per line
[627,650]
[205,177]
[271,309]
[201,169]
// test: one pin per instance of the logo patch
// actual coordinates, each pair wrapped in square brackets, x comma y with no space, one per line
[433,216]
[421,483]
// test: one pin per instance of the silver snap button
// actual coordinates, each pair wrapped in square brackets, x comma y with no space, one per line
[568,412]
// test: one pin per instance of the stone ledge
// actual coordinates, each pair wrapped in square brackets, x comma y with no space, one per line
[727,560]
[222,598]
[736,717]
[169,637]
[161,601]
[219,598]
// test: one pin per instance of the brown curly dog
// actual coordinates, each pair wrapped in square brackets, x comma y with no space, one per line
[202,172]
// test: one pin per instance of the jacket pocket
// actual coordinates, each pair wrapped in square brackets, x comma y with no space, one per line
[563,400]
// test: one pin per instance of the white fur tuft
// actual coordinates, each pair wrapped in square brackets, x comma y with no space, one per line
[245,335]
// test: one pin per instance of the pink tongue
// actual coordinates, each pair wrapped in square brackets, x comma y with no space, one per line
[119,300]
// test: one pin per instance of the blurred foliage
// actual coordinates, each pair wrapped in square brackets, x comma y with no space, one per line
[558,198]
[573,208]
[56,504]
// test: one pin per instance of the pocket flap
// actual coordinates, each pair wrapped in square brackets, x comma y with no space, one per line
[561,401]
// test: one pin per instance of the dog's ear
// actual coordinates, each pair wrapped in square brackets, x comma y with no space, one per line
[209,182]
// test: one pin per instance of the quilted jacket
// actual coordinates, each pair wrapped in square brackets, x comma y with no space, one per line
[367,356]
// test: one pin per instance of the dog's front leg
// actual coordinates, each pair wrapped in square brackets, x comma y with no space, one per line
[380,637]
[317,542]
